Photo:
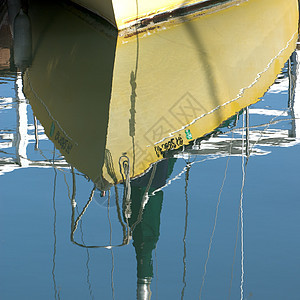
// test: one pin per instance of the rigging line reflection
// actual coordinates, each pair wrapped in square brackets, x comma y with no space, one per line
[240,222]
[247,132]
[291,93]
[54,164]
[242,213]
[291,85]
[111,250]
[7,153]
[82,237]
[178,176]
[293,73]
[145,199]
[241,207]
[290,101]
[126,205]
[68,188]
[109,164]
[133,77]
[132,116]
[36,146]
[244,167]
[234,255]
[56,293]
[185,228]
[74,225]
[88,269]
[272,122]
[119,214]
[124,163]
[216,217]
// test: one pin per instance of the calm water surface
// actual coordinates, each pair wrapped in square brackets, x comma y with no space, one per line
[217,218]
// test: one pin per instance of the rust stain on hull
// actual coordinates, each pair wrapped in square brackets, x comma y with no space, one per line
[153,21]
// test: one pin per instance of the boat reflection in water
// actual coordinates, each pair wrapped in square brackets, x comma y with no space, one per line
[119,105]
[148,93]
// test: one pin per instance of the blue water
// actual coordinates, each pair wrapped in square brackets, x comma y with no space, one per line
[201,251]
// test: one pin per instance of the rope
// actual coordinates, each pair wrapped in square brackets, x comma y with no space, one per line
[111,172]
[56,292]
[81,231]
[242,215]
[185,229]
[111,250]
[127,188]
[126,203]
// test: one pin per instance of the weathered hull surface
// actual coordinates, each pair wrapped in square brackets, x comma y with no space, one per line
[126,13]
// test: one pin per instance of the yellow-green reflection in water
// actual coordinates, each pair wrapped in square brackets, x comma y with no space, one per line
[156,90]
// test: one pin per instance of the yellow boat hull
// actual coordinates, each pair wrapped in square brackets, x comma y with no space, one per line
[105,97]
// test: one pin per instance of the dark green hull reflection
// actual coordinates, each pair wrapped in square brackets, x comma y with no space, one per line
[145,223]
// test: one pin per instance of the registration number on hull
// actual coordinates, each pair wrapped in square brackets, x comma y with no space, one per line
[173,143]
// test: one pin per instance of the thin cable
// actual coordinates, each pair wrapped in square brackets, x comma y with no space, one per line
[216,217]
[74,225]
[111,250]
[133,77]
[240,229]
[36,133]
[145,199]
[81,231]
[185,228]
[241,214]
[244,165]
[56,293]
